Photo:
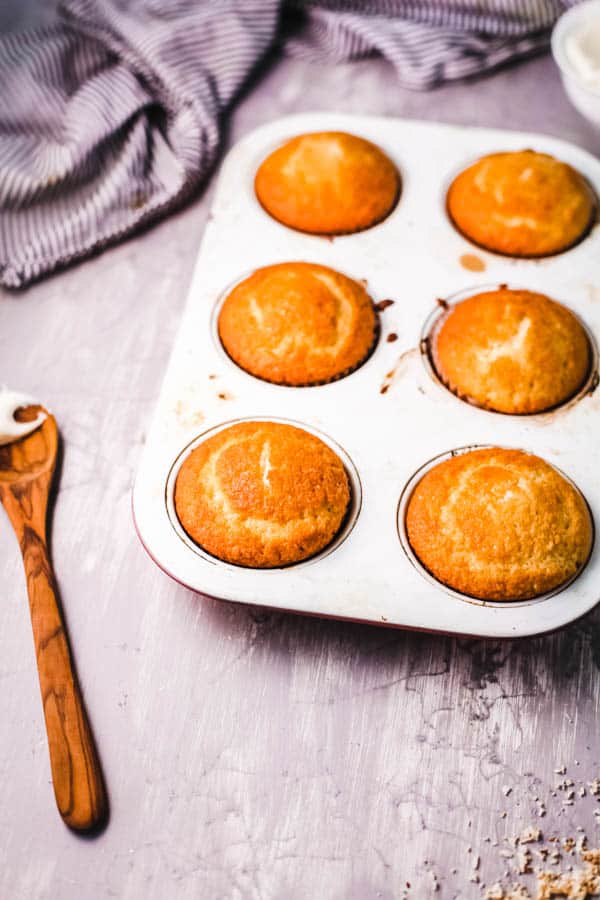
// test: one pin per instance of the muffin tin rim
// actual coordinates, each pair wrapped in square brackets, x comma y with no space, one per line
[435,318]
[348,523]
[407,492]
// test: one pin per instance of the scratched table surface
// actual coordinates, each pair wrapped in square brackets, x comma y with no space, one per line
[251,753]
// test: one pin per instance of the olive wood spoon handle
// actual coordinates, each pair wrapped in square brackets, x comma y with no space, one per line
[26,470]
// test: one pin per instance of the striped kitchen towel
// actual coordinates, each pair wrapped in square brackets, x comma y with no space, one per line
[427,41]
[111,117]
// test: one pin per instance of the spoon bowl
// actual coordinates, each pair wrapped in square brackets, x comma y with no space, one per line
[29,457]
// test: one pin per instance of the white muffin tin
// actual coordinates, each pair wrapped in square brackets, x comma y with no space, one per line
[390,417]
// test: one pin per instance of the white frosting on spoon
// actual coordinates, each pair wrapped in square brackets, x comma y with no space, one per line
[10,429]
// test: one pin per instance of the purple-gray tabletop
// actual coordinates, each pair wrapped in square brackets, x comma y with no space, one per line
[250,753]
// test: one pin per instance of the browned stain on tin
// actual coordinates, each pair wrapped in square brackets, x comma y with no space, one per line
[472,263]
[392,336]
[225,395]
[188,415]
[441,302]
[593,292]
[391,376]
[383,304]
[212,376]
[387,381]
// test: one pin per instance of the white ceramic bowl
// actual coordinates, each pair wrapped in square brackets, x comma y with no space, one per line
[583,98]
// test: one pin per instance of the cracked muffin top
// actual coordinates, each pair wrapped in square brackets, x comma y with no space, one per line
[298,324]
[499,524]
[521,203]
[262,494]
[328,182]
[511,351]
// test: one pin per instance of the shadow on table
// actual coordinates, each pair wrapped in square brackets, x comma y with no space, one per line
[555,661]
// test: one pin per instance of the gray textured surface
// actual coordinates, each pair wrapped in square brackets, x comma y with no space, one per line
[261,755]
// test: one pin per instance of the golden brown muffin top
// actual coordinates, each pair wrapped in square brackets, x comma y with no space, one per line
[521,203]
[499,525]
[262,494]
[328,183]
[511,351]
[298,324]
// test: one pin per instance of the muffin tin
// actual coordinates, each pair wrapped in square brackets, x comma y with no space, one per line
[390,417]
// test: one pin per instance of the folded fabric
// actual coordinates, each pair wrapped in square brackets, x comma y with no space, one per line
[431,41]
[111,117]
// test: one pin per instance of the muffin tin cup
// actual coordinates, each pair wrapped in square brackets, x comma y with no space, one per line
[349,518]
[388,418]
[467,163]
[218,343]
[439,313]
[424,571]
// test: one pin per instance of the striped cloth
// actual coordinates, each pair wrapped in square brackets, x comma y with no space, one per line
[111,117]
[427,41]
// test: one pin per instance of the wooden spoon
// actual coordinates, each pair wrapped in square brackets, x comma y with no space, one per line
[26,469]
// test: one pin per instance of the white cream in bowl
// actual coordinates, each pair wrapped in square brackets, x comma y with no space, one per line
[582,49]
[576,51]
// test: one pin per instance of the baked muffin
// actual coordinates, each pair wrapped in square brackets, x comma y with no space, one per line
[262,494]
[499,525]
[298,324]
[511,351]
[328,183]
[521,204]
